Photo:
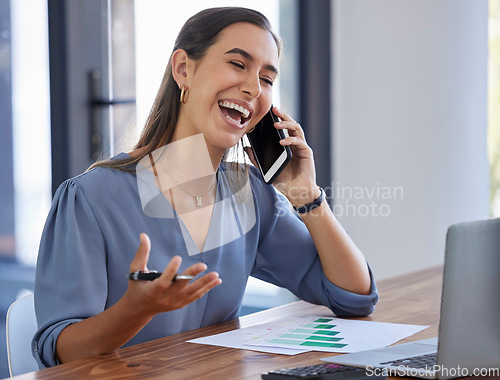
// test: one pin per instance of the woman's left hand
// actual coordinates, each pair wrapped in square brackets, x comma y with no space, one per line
[298,180]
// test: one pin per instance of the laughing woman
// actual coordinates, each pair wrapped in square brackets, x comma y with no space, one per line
[188,209]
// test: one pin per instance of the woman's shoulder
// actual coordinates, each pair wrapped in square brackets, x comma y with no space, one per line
[101,180]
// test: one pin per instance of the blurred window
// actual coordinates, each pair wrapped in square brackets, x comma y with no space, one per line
[494,105]
[25,142]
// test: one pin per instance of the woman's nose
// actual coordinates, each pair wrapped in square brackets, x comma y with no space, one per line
[252,86]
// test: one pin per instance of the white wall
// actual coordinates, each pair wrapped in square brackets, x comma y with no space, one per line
[409,115]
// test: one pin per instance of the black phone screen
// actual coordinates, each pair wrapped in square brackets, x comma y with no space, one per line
[265,142]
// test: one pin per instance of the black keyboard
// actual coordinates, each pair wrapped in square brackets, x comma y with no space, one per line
[421,361]
[318,372]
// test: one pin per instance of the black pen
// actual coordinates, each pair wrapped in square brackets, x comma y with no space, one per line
[152,275]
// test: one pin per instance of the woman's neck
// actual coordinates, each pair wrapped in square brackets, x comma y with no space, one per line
[188,159]
[196,148]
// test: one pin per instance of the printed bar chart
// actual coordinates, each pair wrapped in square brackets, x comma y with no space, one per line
[320,333]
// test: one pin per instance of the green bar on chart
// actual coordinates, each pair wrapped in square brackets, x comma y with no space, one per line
[311,337]
[292,342]
[312,331]
[323,344]
[323,320]
[313,326]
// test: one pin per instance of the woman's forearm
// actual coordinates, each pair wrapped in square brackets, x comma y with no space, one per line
[342,262]
[103,333]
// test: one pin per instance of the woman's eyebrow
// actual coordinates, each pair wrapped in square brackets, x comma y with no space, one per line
[248,56]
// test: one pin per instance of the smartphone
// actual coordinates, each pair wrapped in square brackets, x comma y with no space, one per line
[270,155]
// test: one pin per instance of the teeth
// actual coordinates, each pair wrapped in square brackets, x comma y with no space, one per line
[236,107]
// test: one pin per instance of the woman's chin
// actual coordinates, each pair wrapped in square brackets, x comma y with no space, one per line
[227,141]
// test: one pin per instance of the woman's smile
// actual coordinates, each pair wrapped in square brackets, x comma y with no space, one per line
[236,113]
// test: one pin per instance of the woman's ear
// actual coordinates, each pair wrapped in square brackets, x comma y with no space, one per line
[179,66]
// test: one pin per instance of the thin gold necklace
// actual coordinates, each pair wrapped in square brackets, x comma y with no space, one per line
[197,197]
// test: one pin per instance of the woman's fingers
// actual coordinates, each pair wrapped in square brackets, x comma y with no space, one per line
[301,149]
[288,123]
[178,294]
[282,115]
[171,270]
[201,286]
[195,269]
[140,261]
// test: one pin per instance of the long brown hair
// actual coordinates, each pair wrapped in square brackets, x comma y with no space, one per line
[196,36]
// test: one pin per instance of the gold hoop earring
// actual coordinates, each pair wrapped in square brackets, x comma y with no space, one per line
[184,95]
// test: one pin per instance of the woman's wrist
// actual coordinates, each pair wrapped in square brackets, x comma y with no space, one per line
[304,196]
[134,310]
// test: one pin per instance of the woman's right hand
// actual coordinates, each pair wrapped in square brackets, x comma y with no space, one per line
[113,327]
[161,295]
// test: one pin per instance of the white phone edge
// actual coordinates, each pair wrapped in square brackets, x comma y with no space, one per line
[277,164]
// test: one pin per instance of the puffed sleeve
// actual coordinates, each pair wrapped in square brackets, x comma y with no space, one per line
[70,281]
[287,257]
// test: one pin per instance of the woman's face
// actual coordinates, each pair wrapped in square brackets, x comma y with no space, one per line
[230,88]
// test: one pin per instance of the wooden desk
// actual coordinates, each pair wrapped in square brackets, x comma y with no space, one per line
[412,299]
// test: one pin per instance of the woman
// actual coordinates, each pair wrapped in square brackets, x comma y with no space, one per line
[216,87]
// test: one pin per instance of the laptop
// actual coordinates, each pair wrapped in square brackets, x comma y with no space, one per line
[469,328]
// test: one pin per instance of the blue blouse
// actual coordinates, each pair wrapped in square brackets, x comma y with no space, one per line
[92,233]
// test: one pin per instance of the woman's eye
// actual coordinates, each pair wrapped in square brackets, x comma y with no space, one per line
[237,64]
[268,81]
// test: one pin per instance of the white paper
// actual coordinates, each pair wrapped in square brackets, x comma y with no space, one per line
[236,338]
[340,335]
